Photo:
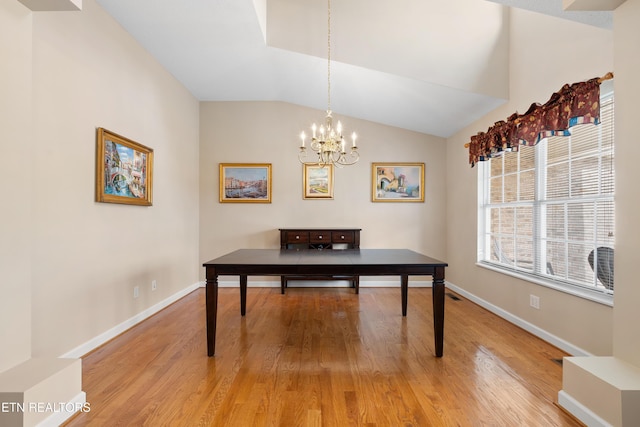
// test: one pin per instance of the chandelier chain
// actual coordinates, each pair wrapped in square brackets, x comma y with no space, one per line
[329,55]
[327,142]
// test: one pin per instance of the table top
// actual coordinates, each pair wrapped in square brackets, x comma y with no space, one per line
[354,257]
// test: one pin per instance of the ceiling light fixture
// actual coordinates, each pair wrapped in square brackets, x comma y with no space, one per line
[327,143]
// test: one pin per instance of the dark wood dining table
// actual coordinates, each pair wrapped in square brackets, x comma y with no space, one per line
[313,262]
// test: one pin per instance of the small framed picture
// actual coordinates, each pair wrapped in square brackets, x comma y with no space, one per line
[245,182]
[124,172]
[397,182]
[317,181]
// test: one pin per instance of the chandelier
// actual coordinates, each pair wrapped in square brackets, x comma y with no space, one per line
[327,143]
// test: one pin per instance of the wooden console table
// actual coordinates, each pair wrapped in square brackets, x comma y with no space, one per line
[320,239]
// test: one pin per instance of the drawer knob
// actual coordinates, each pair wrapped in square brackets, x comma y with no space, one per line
[342,237]
[297,237]
[320,237]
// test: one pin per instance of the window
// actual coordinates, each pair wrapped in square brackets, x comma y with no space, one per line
[545,208]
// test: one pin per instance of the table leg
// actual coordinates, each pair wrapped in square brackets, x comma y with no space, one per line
[438,309]
[212,309]
[404,285]
[243,295]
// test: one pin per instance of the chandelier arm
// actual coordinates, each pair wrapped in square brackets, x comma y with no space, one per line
[302,155]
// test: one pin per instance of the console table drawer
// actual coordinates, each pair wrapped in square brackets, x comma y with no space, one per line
[320,236]
[297,237]
[342,237]
[335,238]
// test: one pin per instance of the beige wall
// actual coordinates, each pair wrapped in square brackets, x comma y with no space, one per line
[266,132]
[563,52]
[81,259]
[485,39]
[606,388]
[15,183]
[626,334]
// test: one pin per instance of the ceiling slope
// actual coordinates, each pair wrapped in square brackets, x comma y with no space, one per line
[431,66]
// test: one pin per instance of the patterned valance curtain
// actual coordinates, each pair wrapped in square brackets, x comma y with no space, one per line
[573,104]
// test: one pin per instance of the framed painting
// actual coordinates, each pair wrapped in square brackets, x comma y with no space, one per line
[124,172]
[397,182]
[317,181]
[245,182]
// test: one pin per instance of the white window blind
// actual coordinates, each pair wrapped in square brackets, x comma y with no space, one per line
[545,208]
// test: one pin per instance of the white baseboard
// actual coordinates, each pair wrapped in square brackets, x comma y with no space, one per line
[97,341]
[580,411]
[93,343]
[540,333]
[58,418]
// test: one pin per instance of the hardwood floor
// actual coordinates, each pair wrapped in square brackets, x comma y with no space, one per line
[323,357]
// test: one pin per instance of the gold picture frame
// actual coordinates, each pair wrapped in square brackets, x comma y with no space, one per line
[245,183]
[124,170]
[397,182]
[317,182]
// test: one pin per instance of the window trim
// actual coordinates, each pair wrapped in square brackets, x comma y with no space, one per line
[601,296]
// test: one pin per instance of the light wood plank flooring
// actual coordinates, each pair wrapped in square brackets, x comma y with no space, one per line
[323,357]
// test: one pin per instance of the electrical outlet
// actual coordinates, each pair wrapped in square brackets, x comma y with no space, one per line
[534,301]
[154,285]
[136,291]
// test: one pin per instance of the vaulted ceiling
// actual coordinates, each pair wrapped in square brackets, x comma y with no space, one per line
[431,66]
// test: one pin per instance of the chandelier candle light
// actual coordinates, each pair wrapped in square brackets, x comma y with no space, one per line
[327,142]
